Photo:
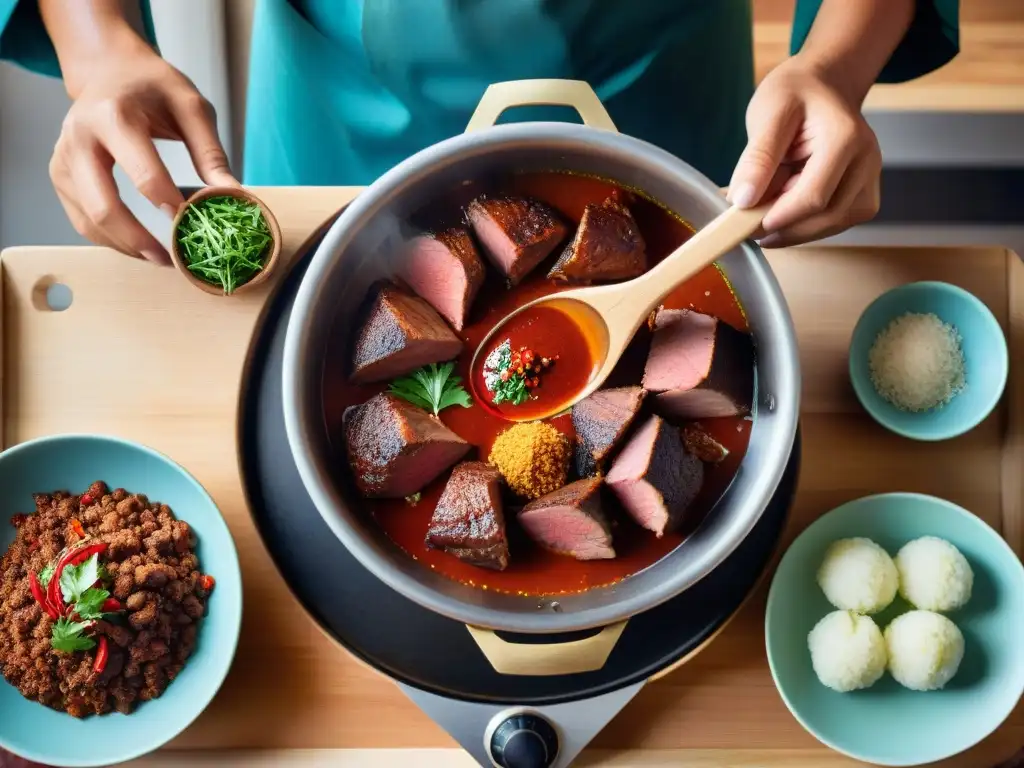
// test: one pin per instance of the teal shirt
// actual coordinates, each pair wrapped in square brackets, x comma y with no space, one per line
[342,90]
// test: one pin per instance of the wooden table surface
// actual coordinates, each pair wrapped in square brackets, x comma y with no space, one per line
[296,696]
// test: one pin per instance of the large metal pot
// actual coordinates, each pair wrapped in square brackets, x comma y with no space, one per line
[354,254]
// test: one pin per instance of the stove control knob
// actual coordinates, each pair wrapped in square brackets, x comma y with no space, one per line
[524,741]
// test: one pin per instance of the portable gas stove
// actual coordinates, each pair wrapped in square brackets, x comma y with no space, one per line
[511,721]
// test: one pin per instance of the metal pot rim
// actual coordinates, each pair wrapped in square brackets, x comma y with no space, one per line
[297,408]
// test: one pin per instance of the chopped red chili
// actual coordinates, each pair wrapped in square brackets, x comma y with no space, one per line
[207,582]
[84,553]
[111,605]
[102,651]
[85,500]
[39,595]
[76,526]
[33,545]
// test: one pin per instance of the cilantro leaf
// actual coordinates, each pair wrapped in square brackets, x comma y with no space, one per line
[46,574]
[75,580]
[411,390]
[68,637]
[432,388]
[454,395]
[89,605]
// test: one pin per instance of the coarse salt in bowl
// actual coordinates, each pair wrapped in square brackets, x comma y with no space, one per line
[977,334]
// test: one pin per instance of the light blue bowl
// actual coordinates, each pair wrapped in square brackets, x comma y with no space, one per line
[72,462]
[888,724]
[985,358]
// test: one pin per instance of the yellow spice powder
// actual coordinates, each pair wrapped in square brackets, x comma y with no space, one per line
[533,457]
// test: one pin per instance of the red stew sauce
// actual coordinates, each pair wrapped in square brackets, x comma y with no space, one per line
[533,570]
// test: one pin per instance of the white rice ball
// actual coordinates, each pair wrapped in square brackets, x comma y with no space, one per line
[925,650]
[934,575]
[847,651]
[858,575]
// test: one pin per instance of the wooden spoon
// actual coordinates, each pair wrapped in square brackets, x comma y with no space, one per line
[610,315]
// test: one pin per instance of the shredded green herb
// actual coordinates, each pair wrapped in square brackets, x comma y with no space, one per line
[224,241]
[432,388]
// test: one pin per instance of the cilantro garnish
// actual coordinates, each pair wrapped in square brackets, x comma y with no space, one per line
[75,580]
[76,584]
[432,388]
[89,605]
[67,636]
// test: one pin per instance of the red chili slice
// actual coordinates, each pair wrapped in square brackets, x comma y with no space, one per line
[85,500]
[102,651]
[111,605]
[76,526]
[37,593]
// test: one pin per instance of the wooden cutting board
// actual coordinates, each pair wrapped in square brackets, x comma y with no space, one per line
[141,354]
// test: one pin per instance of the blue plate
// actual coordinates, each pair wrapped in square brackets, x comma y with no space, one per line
[72,462]
[985,358]
[888,724]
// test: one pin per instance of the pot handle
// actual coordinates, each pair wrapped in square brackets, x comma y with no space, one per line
[522,93]
[509,658]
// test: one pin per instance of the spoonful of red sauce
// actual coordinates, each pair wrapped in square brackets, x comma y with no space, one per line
[582,333]
[537,360]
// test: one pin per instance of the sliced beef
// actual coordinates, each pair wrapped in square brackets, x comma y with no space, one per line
[446,270]
[655,478]
[607,246]
[601,421]
[468,521]
[398,333]
[517,233]
[698,441]
[570,521]
[395,448]
[700,366]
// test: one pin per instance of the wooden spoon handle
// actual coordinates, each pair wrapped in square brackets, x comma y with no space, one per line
[721,235]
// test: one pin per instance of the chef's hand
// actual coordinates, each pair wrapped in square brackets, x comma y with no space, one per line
[810,145]
[124,101]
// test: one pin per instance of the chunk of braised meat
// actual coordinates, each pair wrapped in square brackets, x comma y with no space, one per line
[160,542]
[192,606]
[119,635]
[176,590]
[154,575]
[184,539]
[115,664]
[143,607]
[123,545]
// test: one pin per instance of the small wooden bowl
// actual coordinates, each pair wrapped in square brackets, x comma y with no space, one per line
[275,245]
